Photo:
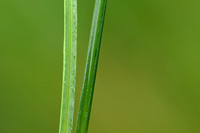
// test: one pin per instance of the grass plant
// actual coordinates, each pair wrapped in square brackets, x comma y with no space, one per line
[69,67]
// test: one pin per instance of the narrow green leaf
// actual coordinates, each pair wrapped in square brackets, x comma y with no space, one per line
[69,66]
[91,67]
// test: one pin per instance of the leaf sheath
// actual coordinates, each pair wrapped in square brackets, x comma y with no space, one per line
[69,66]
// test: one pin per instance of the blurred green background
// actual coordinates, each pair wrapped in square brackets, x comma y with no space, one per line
[148,77]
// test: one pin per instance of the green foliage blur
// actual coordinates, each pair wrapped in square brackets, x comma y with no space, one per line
[148,77]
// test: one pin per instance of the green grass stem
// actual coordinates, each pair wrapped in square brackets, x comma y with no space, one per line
[91,67]
[69,66]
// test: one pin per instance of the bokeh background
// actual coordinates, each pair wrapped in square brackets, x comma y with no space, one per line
[148,77]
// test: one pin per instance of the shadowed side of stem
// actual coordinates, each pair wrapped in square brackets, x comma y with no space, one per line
[91,67]
[69,66]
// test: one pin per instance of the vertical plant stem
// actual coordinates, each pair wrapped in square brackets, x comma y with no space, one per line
[69,66]
[91,67]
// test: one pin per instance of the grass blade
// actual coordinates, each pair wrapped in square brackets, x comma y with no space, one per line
[91,67]
[69,66]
